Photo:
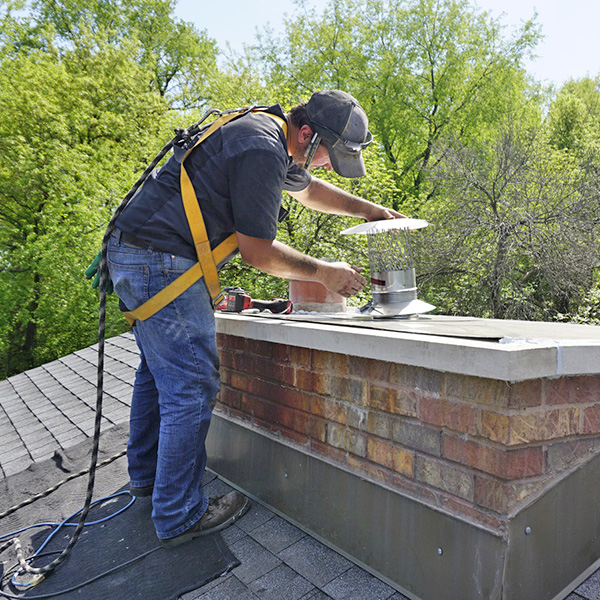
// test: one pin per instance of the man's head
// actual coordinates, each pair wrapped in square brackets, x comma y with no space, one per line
[336,120]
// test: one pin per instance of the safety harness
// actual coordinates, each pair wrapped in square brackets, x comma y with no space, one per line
[208,258]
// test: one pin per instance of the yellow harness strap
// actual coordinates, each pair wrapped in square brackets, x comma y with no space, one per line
[207,259]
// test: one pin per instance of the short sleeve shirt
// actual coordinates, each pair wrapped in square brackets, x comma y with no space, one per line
[238,174]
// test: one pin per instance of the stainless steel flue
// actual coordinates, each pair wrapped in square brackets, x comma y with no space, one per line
[393,279]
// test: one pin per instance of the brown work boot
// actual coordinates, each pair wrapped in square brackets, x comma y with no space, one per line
[221,513]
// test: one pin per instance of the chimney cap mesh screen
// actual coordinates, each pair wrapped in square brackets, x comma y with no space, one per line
[390,251]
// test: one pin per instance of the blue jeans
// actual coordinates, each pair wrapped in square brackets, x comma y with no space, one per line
[175,385]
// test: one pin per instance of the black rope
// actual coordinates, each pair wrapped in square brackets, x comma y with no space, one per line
[185,135]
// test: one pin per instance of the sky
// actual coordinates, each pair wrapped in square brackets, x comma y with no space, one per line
[571,48]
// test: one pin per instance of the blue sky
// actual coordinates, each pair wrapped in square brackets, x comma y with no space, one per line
[571,47]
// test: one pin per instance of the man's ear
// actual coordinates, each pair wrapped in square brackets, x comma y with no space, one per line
[305,134]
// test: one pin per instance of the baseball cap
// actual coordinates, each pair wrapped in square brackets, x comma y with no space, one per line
[340,120]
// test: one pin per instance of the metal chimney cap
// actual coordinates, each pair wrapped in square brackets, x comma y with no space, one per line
[400,309]
[372,227]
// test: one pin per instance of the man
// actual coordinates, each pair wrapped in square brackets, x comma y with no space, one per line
[238,175]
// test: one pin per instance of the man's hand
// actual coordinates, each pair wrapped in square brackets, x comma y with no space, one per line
[341,278]
[381,213]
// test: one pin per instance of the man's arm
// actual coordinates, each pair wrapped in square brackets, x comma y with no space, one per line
[280,260]
[328,198]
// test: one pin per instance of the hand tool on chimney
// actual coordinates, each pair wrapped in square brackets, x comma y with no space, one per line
[235,299]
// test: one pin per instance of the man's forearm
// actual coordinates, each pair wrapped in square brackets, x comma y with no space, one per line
[277,259]
[325,197]
[282,261]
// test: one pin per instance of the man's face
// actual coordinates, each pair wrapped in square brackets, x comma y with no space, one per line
[298,151]
[321,158]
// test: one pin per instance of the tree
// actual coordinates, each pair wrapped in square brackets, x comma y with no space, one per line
[182,59]
[422,69]
[78,126]
[574,116]
[516,234]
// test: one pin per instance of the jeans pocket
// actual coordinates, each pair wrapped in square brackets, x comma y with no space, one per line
[131,283]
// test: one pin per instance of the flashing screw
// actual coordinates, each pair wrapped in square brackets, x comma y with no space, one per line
[440,551]
[527,530]
[286,475]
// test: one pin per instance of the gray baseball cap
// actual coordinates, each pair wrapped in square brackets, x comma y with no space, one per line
[342,123]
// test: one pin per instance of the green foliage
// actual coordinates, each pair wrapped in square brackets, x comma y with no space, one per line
[574,117]
[516,231]
[422,69]
[506,174]
[77,125]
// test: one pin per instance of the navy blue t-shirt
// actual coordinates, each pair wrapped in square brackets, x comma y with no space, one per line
[238,174]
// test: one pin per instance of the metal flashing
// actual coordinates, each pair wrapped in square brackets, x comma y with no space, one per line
[551,545]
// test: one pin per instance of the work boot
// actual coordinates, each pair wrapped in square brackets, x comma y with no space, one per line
[221,513]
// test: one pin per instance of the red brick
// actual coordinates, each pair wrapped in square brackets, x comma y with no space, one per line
[300,356]
[231,397]
[406,403]
[369,469]
[379,424]
[495,426]
[281,394]
[289,434]
[317,429]
[547,425]
[348,390]
[329,362]
[337,455]
[243,362]
[312,381]
[393,400]
[591,419]
[276,414]
[357,416]
[328,408]
[382,398]
[527,427]
[225,376]
[240,414]
[253,406]
[347,439]
[280,353]
[573,390]
[373,370]
[226,358]
[388,455]
[507,464]
[417,436]
[561,455]
[241,381]
[231,342]
[441,412]
[556,391]
[525,394]
[479,390]
[445,477]
[267,369]
[260,348]
[501,496]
